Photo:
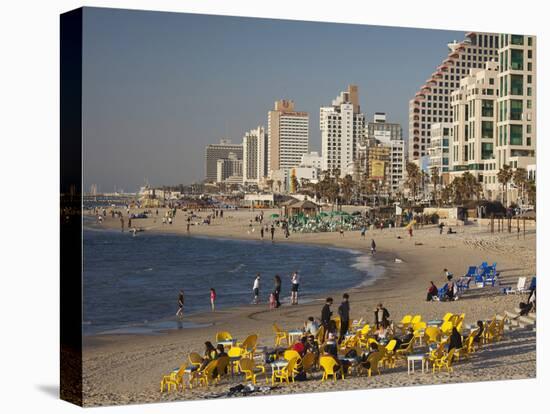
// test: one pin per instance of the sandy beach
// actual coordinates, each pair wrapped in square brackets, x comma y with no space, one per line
[123,369]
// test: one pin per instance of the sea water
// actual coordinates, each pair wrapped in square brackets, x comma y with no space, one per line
[131,283]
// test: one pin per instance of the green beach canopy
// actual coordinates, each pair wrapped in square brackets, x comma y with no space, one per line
[274,216]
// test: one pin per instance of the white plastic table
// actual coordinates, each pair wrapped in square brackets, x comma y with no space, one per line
[294,333]
[411,360]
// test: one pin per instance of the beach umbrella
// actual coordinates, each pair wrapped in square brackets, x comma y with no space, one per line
[274,216]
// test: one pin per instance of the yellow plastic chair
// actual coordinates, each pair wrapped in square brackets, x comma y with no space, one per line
[222,367]
[280,335]
[405,322]
[402,353]
[174,379]
[416,319]
[374,360]
[436,353]
[236,352]
[251,370]
[432,334]
[223,336]
[321,336]
[292,354]
[249,345]
[195,359]
[205,376]
[447,328]
[328,365]
[308,362]
[467,344]
[389,355]
[447,316]
[286,373]
[444,362]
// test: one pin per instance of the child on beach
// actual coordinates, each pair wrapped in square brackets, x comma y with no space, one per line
[213,299]
[372,247]
[272,301]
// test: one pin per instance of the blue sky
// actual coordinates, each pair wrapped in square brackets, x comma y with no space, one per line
[160,86]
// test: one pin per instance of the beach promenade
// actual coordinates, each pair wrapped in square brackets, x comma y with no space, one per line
[121,369]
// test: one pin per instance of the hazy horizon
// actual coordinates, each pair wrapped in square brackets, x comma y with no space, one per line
[158,86]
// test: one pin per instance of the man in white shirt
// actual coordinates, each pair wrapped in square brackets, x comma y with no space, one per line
[295,285]
[256,289]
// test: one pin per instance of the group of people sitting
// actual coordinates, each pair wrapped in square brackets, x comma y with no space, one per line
[450,289]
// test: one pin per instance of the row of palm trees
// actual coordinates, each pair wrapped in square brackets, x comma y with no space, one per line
[466,187]
[334,188]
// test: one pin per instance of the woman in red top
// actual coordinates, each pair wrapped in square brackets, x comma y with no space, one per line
[213,299]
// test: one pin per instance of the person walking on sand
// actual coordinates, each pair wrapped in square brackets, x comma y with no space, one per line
[341,232]
[213,299]
[295,279]
[179,313]
[256,289]
[363,231]
[272,232]
[410,231]
[372,247]
[262,232]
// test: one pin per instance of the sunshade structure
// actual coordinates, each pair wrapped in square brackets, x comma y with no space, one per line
[306,207]
[274,216]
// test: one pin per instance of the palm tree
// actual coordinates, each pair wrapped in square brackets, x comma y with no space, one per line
[520,179]
[435,181]
[472,187]
[294,183]
[346,186]
[532,192]
[413,178]
[504,176]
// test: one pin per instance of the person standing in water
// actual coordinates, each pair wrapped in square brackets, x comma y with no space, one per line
[372,247]
[295,279]
[179,313]
[213,299]
[256,289]
[277,290]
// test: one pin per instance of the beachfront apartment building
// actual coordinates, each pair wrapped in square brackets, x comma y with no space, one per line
[438,150]
[229,170]
[255,156]
[288,136]
[390,135]
[312,159]
[215,152]
[342,128]
[474,127]
[516,104]
[431,104]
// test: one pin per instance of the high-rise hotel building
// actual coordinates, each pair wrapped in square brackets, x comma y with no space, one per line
[342,129]
[215,152]
[516,101]
[431,103]
[254,155]
[288,136]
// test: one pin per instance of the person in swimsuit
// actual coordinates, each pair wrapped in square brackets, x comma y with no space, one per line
[179,313]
